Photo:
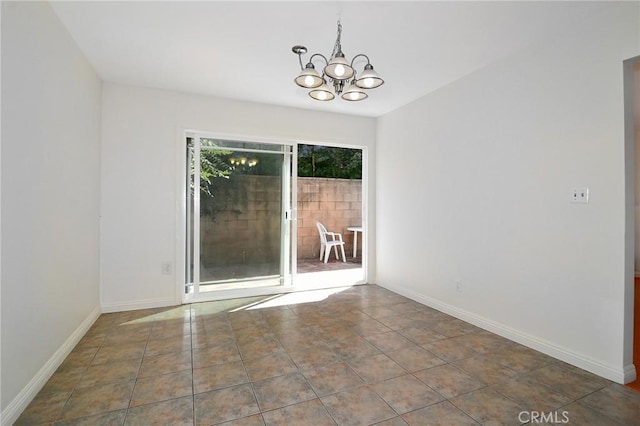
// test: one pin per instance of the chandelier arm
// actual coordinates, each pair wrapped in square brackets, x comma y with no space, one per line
[326,62]
[357,56]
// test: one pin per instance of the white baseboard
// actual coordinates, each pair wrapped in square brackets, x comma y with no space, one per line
[618,375]
[630,373]
[160,302]
[11,413]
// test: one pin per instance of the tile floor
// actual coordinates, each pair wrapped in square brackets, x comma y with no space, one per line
[360,356]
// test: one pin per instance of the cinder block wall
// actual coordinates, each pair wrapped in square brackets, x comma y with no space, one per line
[247,229]
[337,203]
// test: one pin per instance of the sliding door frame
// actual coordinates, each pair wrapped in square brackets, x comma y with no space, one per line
[287,223]
[364,206]
[290,216]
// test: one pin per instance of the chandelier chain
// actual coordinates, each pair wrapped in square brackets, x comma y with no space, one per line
[337,46]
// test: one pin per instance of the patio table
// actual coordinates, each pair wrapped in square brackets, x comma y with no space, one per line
[355,230]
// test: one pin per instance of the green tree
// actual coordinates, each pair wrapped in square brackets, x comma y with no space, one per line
[213,165]
[329,162]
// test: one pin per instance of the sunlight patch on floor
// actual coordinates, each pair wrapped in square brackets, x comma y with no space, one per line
[296,298]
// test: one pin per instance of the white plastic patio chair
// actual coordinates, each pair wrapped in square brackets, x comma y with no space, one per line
[329,240]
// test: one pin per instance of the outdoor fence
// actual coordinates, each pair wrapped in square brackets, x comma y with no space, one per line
[242,224]
[337,203]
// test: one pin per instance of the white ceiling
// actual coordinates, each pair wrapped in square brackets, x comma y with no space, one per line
[242,50]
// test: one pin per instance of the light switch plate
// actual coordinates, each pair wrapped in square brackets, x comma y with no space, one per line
[580,195]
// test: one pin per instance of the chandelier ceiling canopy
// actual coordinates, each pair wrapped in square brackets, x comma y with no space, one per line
[339,71]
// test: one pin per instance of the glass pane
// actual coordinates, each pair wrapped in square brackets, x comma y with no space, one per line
[240,217]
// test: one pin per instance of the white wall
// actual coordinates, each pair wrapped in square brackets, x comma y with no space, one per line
[473,187]
[636,117]
[50,198]
[141,139]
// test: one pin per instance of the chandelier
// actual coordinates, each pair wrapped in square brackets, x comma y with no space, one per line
[339,72]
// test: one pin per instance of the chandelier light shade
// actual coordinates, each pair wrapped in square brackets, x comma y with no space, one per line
[339,68]
[309,77]
[354,93]
[369,79]
[339,71]
[322,93]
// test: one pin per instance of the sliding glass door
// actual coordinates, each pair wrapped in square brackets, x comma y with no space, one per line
[239,221]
